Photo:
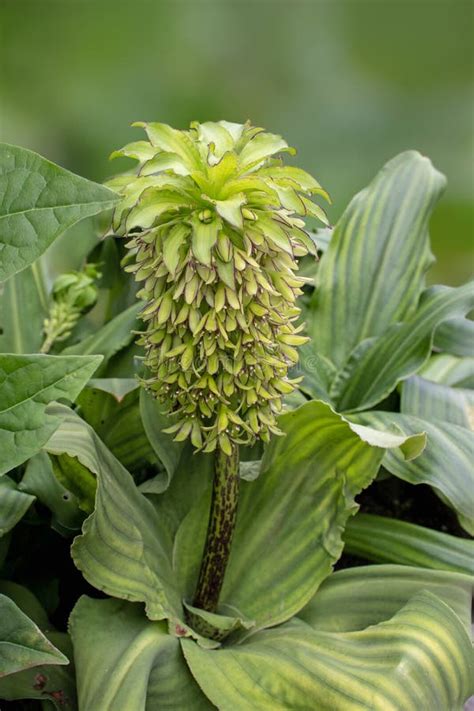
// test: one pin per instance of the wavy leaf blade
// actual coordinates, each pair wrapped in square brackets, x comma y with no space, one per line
[446,463]
[383,667]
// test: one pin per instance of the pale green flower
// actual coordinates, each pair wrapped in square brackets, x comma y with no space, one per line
[213,224]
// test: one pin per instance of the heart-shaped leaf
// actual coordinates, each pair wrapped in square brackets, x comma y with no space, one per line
[27,384]
[39,201]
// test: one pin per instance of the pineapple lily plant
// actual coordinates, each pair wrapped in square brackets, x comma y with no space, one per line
[172,508]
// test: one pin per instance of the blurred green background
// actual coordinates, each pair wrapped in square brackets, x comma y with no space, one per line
[349,83]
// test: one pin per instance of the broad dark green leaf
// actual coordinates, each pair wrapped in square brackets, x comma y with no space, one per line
[23,307]
[356,598]
[39,201]
[386,540]
[375,367]
[455,336]
[446,463]
[429,400]
[373,271]
[14,503]
[27,384]
[125,661]
[421,658]
[111,338]
[22,644]
[291,518]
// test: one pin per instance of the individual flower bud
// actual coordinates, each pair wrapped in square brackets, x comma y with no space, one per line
[73,294]
[212,218]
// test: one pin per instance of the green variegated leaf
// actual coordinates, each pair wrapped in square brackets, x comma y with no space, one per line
[429,400]
[373,271]
[27,384]
[125,661]
[446,463]
[125,549]
[386,540]
[377,364]
[111,338]
[39,201]
[456,336]
[23,307]
[356,598]
[421,658]
[449,370]
[14,503]
[291,518]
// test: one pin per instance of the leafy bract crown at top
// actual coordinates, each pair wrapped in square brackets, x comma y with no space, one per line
[214,228]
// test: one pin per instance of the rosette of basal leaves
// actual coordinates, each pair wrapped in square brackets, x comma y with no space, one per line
[214,226]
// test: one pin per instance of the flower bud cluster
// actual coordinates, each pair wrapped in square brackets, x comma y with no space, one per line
[74,293]
[213,224]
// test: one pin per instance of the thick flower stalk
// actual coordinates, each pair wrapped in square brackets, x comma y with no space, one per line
[214,226]
[74,293]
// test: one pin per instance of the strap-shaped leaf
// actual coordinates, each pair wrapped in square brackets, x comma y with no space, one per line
[39,201]
[291,518]
[428,400]
[355,598]
[22,644]
[23,307]
[450,370]
[13,504]
[373,271]
[386,540]
[125,548]
[27,384]
[446,463]
[419,659]
[124,661]
[455,336]
[376,366]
